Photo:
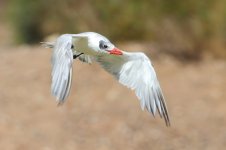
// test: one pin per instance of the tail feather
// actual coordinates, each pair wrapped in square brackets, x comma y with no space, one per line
[47,44]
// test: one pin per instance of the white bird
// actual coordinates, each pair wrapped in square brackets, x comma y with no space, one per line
[133,70]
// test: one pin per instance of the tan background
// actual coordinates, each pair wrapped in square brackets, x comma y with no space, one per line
[102,114]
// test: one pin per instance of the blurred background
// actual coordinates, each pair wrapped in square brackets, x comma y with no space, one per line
[186,41]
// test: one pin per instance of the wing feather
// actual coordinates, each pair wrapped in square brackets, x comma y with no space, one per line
[62,59]
[135,71]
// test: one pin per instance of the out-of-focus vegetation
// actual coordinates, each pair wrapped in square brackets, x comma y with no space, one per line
[185,28]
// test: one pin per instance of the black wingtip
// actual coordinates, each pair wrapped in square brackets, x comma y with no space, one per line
[164,112]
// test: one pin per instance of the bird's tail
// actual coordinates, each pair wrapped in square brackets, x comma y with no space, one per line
[48,44]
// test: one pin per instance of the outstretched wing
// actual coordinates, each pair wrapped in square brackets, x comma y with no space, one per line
[135,71]
[62,59]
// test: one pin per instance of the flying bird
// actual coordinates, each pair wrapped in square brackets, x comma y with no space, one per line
[133,70]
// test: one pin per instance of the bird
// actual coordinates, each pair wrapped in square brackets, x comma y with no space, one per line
[132,69]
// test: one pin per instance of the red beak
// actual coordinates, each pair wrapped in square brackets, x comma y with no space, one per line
[115,51]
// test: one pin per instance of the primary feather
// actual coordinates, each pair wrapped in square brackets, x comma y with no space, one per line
[135,71]
[62,60]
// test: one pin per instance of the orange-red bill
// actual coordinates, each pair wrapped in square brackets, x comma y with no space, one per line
[115,51]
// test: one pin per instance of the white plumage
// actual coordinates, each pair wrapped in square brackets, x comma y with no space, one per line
[133,70]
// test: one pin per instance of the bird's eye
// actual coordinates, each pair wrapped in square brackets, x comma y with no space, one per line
[103,45]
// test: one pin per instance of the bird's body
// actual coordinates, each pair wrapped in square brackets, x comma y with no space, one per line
[133,70]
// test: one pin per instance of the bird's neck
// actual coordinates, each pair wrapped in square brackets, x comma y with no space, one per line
[132,55]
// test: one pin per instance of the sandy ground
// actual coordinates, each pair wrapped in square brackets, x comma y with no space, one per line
[102,114]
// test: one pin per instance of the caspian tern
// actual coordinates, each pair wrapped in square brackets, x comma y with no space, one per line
[133,70]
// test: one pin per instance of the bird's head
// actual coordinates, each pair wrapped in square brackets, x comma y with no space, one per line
[109,48]
[101,44]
